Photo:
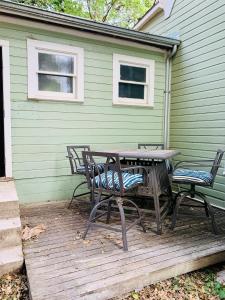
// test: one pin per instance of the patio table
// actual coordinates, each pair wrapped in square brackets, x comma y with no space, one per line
[158,181]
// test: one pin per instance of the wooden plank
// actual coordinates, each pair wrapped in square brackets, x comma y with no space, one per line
[84,271]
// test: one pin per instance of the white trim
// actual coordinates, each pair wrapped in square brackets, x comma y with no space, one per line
[149,15]
[163,5]
[79,34]
[149,84]
[168,8]
[7,107]
[33,47]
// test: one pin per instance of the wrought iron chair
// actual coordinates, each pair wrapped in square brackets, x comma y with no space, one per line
[116,182]
[77,166]
[155,146]
[185,176]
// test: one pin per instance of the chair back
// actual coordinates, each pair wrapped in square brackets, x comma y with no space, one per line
[216,163]
[75,157]
[97,178]
[151,146]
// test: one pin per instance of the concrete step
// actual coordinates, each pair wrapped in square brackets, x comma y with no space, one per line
[11,255]
[9,204]
[9,209]
[10,232]
[11,259]
[7,191]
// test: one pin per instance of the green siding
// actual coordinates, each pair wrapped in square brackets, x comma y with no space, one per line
[42,129]
[198,80]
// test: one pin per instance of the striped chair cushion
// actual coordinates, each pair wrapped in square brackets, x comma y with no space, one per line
[100,166]
[192,176]
[129,180]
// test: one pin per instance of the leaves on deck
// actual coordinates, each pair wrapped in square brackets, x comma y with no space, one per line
[28,233]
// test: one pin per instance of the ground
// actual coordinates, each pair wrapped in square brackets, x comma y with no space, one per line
[14,287]
[199,285]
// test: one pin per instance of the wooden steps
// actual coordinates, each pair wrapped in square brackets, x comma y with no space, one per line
[11,255]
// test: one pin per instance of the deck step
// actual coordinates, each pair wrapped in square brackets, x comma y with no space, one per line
[11,259]
[10,232]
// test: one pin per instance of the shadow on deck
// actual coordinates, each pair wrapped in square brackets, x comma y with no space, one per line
[60,265]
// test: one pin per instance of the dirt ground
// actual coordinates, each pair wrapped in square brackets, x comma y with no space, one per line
[14,286]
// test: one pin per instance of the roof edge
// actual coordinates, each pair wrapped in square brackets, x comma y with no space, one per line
[32,13]
[153,11]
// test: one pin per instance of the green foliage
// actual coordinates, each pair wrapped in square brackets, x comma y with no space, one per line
[213,287]
[124,13]
[135,296]
[219,290]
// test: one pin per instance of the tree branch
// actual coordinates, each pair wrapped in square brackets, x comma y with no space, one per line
[113,2]
[89,9]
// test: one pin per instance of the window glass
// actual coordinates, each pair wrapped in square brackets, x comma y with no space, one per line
[53,83]
[131,73]
[134,91]
[133,80]
[55,71]
[56,63]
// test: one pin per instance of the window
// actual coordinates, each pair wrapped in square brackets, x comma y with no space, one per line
[133,80]
[55,72]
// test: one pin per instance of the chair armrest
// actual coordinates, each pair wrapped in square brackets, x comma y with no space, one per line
[193,163]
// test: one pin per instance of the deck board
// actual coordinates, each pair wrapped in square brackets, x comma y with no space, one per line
[60,265]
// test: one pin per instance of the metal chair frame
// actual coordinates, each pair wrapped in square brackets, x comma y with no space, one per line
[76,161]
[182,194]
[155,146]
[115,192]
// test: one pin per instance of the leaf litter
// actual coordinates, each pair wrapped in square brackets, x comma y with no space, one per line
[14,287]
[198,285]
[29,233]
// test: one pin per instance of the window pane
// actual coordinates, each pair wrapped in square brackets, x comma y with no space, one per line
[56,63]
[132,73]
[128,90]
[53,83]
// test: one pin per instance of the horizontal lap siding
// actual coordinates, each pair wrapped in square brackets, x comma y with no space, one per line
[42,129]
[198,81]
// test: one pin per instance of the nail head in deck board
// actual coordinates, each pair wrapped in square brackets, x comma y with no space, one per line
[58,271]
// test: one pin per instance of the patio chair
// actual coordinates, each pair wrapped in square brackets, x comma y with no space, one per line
[155,146]
[116,182]
[77,166]
[195,178]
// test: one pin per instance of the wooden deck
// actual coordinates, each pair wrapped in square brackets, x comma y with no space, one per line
[60,265]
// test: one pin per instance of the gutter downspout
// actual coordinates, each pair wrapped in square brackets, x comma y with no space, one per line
[167,97]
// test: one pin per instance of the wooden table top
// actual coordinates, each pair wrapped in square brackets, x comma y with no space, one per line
[143,153]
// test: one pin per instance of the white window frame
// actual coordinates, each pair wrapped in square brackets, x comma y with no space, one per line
[36,46]
[118,60]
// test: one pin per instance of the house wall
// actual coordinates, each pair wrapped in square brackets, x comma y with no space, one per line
[198,80]
[42,129]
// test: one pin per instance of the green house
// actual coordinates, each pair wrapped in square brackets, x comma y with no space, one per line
[65,80]
[197,117]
